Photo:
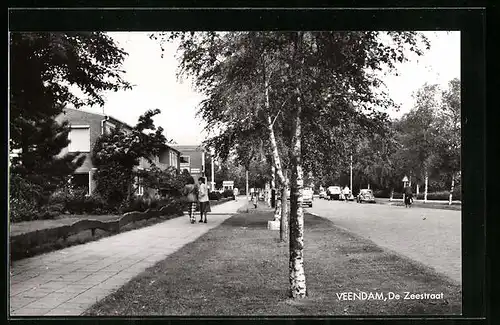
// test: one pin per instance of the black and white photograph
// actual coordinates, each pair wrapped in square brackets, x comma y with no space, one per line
[235,173]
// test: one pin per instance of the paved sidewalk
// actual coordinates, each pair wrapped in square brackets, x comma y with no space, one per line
[68,281]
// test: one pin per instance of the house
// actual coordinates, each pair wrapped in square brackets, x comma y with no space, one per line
[192,159]
[86,127]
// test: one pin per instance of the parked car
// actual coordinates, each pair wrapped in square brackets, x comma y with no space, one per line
[334,192]
[322,194]
[365,195]
[307,196]
[348,197]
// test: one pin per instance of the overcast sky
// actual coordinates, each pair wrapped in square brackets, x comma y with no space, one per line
[156,85]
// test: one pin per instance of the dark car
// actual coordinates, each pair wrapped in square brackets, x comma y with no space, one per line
[365,195]
[334,192]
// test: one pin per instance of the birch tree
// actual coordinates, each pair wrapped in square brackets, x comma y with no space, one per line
[319,81]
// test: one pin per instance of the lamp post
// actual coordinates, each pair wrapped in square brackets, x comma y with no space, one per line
[351,175]
[212,153]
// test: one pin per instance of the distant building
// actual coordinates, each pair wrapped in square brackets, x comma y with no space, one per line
[227,185]
[86,127]
[192,159]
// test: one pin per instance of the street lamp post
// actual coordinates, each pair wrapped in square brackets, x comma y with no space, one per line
[351,175]
[212,153]
[247,187]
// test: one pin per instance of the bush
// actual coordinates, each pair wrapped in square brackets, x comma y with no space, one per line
[228,193]
[24,198]
[216,196]
[77,202]
[135,204]
[21,209]
[440,196]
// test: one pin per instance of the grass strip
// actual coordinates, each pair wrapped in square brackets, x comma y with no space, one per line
[239,268]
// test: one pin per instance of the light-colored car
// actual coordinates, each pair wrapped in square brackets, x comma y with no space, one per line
[307,196]
[334,192]
[365,195]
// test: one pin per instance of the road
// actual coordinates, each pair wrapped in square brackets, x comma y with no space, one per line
[429,236]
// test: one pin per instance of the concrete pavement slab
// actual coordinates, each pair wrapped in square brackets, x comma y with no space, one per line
[68,281]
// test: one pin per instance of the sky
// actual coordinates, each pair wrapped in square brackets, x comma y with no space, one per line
[157,86]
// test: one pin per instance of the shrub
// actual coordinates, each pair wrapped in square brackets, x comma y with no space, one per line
[134,204]
[216,196]
[24,198]
[228,193]
[21,209]
[78,202]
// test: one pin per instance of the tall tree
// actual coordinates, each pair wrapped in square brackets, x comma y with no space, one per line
[117,154]
[420,135]
[449,129]
[45,68]
[318,80]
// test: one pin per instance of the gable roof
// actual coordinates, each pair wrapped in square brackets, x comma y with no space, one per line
[113,120]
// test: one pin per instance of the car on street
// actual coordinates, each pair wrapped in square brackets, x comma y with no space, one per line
[348,197]
[307,196]
[334,192]
[365,195]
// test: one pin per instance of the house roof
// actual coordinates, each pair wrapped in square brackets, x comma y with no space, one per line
[115,120]
[194,147]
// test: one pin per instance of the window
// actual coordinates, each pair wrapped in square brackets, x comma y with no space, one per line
[140,187]
[173,159]
[79,137]
[185,160]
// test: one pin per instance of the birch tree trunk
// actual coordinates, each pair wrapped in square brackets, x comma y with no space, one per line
[451,189]
[418,190]
[273,188]
[281,212]
[426,186]
[284,215]
[278,212]
[296,245]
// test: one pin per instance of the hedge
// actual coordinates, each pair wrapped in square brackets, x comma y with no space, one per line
[441,196]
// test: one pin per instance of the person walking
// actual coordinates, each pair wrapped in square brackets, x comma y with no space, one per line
[191,196]
[408,197]
[346,192]
[203,199]
[235,193]
[254,200]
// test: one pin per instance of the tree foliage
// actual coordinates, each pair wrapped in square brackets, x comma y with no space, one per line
[47,71]
[318,88]
[118,153]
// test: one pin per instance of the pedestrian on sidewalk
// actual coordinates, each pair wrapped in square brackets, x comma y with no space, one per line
[254,200]
[203,199]
[235,193]
[190,192]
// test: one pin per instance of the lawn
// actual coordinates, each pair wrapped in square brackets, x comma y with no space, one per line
[239,268]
